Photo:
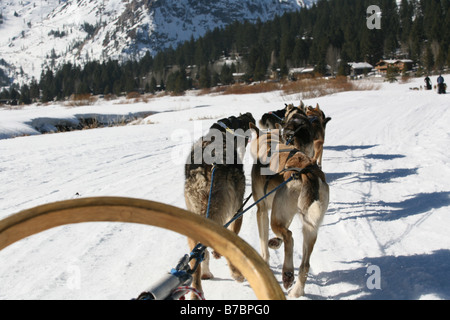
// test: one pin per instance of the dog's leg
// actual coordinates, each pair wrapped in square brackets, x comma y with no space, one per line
[262,215]
[283,211]
[196,276]
[309,239]
[206,273]
[318,152]
[263,228]
[235,227]
[235,273]
[311,223]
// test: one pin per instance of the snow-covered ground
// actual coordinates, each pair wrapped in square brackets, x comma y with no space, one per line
[386,160]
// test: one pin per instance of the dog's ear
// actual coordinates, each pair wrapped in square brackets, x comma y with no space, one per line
[254,128]
[317,107]
[278,126]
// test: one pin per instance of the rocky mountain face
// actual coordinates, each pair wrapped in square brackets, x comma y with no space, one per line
[37,34]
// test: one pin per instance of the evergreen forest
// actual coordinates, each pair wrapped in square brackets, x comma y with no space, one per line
[330,33]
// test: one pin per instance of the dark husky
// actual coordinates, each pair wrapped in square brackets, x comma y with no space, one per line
[228,188]
[271,119]
[298,131]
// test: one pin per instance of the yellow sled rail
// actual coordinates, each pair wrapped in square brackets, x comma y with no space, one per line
[129,210]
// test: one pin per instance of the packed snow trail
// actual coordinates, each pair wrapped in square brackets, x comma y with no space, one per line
[385,235]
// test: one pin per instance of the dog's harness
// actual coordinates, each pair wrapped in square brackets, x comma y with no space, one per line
[312,119]
[276,116]
[227,129]
[292,152]
[176,284]
[290,137]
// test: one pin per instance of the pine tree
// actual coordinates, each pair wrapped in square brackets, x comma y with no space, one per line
[34,90]
[391,74]
[153,85]
[47,86]
[25,97]
[204,80]
[406,12]
[317,36]
[429,59]
[226,74]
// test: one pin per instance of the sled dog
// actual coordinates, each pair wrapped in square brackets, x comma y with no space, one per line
[307,195]
[292,110]
[222,148]
[298,131]
[271,119]
[319,122]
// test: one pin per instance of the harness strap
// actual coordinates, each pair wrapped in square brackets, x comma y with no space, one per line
[210,190]
[276,116]
[227,129]
[238,215]
[198,253]
[292,152]
[288,142]
[311,119]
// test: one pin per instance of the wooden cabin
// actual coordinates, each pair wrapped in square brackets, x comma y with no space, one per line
[401,65]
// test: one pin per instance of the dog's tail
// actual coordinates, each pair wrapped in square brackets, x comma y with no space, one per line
[314,216]
[312,201]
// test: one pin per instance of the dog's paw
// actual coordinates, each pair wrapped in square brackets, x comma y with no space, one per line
[298,290]
[237,276]
[207,276]
[275,243]
[288,279]
[195,296]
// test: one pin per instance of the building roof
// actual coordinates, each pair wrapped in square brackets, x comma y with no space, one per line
[391,61]
[360,65]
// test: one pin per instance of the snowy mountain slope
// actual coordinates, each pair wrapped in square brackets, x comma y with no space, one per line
[386,160]
[37,33]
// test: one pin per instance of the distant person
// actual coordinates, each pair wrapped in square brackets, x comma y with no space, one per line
[427,83]
[441,84]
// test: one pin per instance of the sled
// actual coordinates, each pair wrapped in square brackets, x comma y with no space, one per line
[130,210]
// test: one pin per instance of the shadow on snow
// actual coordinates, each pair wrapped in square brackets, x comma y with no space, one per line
[401,278]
